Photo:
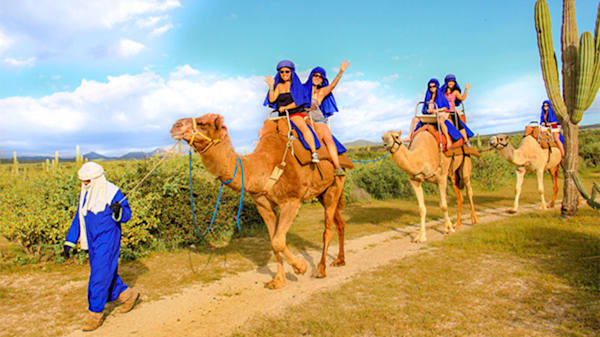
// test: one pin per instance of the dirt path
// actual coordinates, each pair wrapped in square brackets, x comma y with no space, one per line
[219,308]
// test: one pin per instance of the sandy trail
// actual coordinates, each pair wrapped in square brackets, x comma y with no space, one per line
[219,308]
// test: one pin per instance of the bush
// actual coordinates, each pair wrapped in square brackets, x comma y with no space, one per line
[491,171]
[589,147]
[36,210]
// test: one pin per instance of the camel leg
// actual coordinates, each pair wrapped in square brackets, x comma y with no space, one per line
[554,173]
[265,209]
[329,200]
[278,243]
[418,188]
[520,175]
[442,185]
[540,180]
[340,226]
[459,203]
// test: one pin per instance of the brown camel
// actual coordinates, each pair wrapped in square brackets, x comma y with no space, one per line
[422,163]
[298,183]
[529,156]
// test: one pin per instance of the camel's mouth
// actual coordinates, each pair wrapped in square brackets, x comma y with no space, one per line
[493,141]
[176,131]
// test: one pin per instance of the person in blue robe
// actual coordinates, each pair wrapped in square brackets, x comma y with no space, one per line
[97,226]
[286,93]
[436,103]
[548,119]
[323,106]
[452,92]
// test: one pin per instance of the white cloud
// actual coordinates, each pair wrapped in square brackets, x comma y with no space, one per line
[128,48]
[182,72]
[160,30]
[12,62]
[391,78]
[148,22]
[5,42]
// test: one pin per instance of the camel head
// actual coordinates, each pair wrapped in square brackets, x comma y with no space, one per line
[390,138]
[209,130]
[499,142]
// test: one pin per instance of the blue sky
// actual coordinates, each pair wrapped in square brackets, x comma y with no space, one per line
[112,76]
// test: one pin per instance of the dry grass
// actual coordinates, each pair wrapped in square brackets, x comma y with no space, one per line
[46,299]
[531,275]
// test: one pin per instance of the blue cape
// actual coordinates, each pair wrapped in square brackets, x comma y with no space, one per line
[440,99]
[340,147]
[296,88]
[328,105]
[447,79]
[551,116]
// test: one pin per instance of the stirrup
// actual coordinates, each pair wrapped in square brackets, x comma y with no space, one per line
[339,172]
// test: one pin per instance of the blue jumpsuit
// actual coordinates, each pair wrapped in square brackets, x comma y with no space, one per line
[104,243]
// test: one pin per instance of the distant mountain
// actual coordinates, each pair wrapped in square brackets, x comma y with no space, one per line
[94,156]
[135,155]
[361,142]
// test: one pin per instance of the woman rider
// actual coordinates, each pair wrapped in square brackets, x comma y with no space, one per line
[323,106]
[453,94]
[287,93]
[548,119]
[435,102]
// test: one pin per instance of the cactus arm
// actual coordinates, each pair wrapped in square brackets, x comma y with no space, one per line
[569,46]
[595,84]
[585,65]
[591,200]
[543,27]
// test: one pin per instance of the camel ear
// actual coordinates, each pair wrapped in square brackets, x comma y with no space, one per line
[219,122]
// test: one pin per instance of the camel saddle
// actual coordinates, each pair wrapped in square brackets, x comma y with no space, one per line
[300,153]
[544,137]
[457,148]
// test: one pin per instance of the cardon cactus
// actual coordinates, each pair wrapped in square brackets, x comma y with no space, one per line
[581,62]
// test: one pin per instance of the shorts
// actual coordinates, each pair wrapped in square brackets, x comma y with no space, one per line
[317,116]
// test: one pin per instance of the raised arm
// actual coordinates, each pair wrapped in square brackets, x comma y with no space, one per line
[273,92]
[462,96]
[327,90]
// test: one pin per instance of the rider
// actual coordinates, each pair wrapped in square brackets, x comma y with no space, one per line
[323,106]
[548,119]
[287,93]
[453,94]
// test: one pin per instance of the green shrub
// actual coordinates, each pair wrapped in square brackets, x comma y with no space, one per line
[491,171]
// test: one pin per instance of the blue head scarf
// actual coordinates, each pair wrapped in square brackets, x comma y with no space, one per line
[440,99]
[551,116]
[296,88]
[328,105]
[447,79]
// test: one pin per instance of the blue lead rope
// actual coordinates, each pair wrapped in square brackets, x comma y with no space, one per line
[370,161]
[238,162]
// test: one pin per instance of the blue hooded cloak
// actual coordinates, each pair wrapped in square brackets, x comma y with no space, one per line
[551,116]
[440,99]
[447,79]
[328,105]
[296,88]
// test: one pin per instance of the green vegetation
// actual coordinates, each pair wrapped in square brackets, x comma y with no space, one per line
[530,275]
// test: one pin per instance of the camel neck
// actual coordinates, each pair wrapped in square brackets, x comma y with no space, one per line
[221,162]
[406,160]
[508,152]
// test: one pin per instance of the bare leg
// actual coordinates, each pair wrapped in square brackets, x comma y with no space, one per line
[418,188]
[540,180]
[444,128]
[556,136]
[520,175]
[325,133]
[413,125]
[308,136]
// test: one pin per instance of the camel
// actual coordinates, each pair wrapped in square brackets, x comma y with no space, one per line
[529,156]
[422,162]
[209,136]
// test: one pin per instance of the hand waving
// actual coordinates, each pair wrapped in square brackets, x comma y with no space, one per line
[270,81]
[344,65]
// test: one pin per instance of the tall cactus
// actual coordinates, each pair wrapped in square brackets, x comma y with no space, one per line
[581,80]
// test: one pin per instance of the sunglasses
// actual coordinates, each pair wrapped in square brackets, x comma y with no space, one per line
[318,75]
[433,86]
[284,71]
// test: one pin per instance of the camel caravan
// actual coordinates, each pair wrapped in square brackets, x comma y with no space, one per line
[298,159]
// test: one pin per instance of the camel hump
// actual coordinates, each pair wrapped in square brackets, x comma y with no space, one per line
[542,136]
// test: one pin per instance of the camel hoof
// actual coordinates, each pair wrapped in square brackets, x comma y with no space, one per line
[474,219]
[275,284]
[300,267]
[420,239]
[542,208]
[551,205]
[338,263]
[511,211]
[321,271]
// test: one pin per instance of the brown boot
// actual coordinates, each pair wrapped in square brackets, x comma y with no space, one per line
[129,298]
[93,321]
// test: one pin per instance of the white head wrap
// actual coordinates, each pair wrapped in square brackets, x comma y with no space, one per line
[99,192]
